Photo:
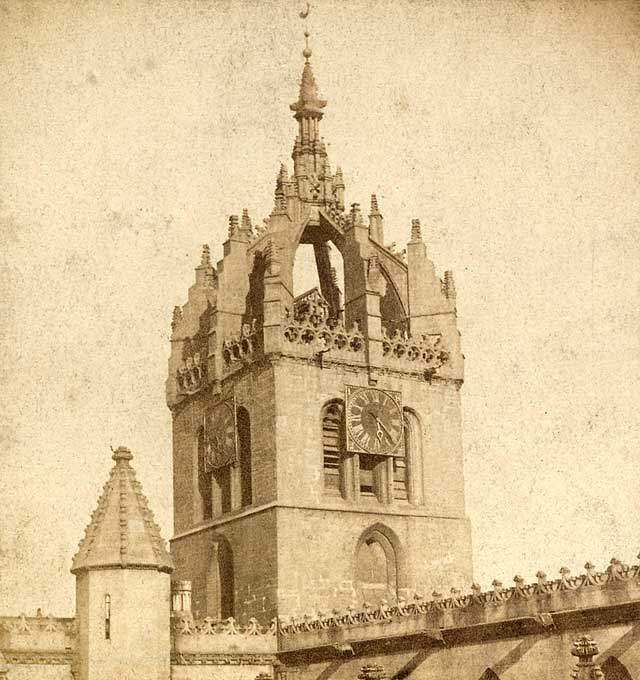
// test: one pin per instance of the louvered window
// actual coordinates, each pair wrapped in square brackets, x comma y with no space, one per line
[399,479]
[332,446]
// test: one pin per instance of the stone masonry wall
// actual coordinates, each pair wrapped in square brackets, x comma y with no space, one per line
[317,550]
[252,539]
[301,390]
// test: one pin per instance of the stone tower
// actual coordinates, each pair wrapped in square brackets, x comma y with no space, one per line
[122,571]
[316,433]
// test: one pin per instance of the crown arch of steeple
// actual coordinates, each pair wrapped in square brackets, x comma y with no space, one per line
[393,312]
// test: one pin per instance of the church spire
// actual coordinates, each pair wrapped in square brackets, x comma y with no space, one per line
[309,104]
[310,165]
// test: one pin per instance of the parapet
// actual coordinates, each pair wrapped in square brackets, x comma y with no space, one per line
[523,608]
[207,637]
[44,640]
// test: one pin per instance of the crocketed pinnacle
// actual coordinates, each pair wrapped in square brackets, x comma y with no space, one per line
[309,102]
[205,260]
[122,532]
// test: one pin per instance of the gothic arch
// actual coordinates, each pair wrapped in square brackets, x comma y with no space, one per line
[489,674]
[254,301]
[392,311]
[413,447]
[379,570]
[332,426]
[321,236]
[614,669]
[220,591]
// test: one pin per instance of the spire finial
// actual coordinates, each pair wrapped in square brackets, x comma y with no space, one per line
[306,52]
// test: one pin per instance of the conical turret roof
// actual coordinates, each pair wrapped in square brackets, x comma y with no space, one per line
[122,531]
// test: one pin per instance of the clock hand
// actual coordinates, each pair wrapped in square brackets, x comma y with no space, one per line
[379,432]
[382,426]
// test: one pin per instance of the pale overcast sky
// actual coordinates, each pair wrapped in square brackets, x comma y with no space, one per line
[130,130]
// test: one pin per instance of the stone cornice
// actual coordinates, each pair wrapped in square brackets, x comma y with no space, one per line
[39,658]
[335,504]
[179,659]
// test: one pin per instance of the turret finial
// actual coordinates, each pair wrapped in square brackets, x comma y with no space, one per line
[234,224]
[416,231]
[245,225]
[122,453]
[206,256]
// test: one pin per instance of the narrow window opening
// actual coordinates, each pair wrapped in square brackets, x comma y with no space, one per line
[400,479]
[332,447]
[204,479]
[244,443]
[107,617]
[223,480]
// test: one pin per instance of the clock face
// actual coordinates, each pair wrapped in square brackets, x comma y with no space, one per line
[220,436]
[374,420]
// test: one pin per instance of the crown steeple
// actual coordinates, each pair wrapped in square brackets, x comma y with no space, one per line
[311,168]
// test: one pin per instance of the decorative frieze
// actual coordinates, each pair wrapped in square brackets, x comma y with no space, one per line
[15,658]
[242,347]
[33,625]
[616,572]
[209,626]
[191,374]
[424,353]
[336,215]
[180,659]
[312,325]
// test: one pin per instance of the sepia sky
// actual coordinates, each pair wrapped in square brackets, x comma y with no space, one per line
[130,130]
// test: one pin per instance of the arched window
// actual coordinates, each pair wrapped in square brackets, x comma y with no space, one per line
[332,446]
[615,670]
[377,565]
[244,452]
[220,593]
[204,478]
[412,473]
[107,617]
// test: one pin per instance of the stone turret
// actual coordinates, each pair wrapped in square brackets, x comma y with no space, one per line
[122,571]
